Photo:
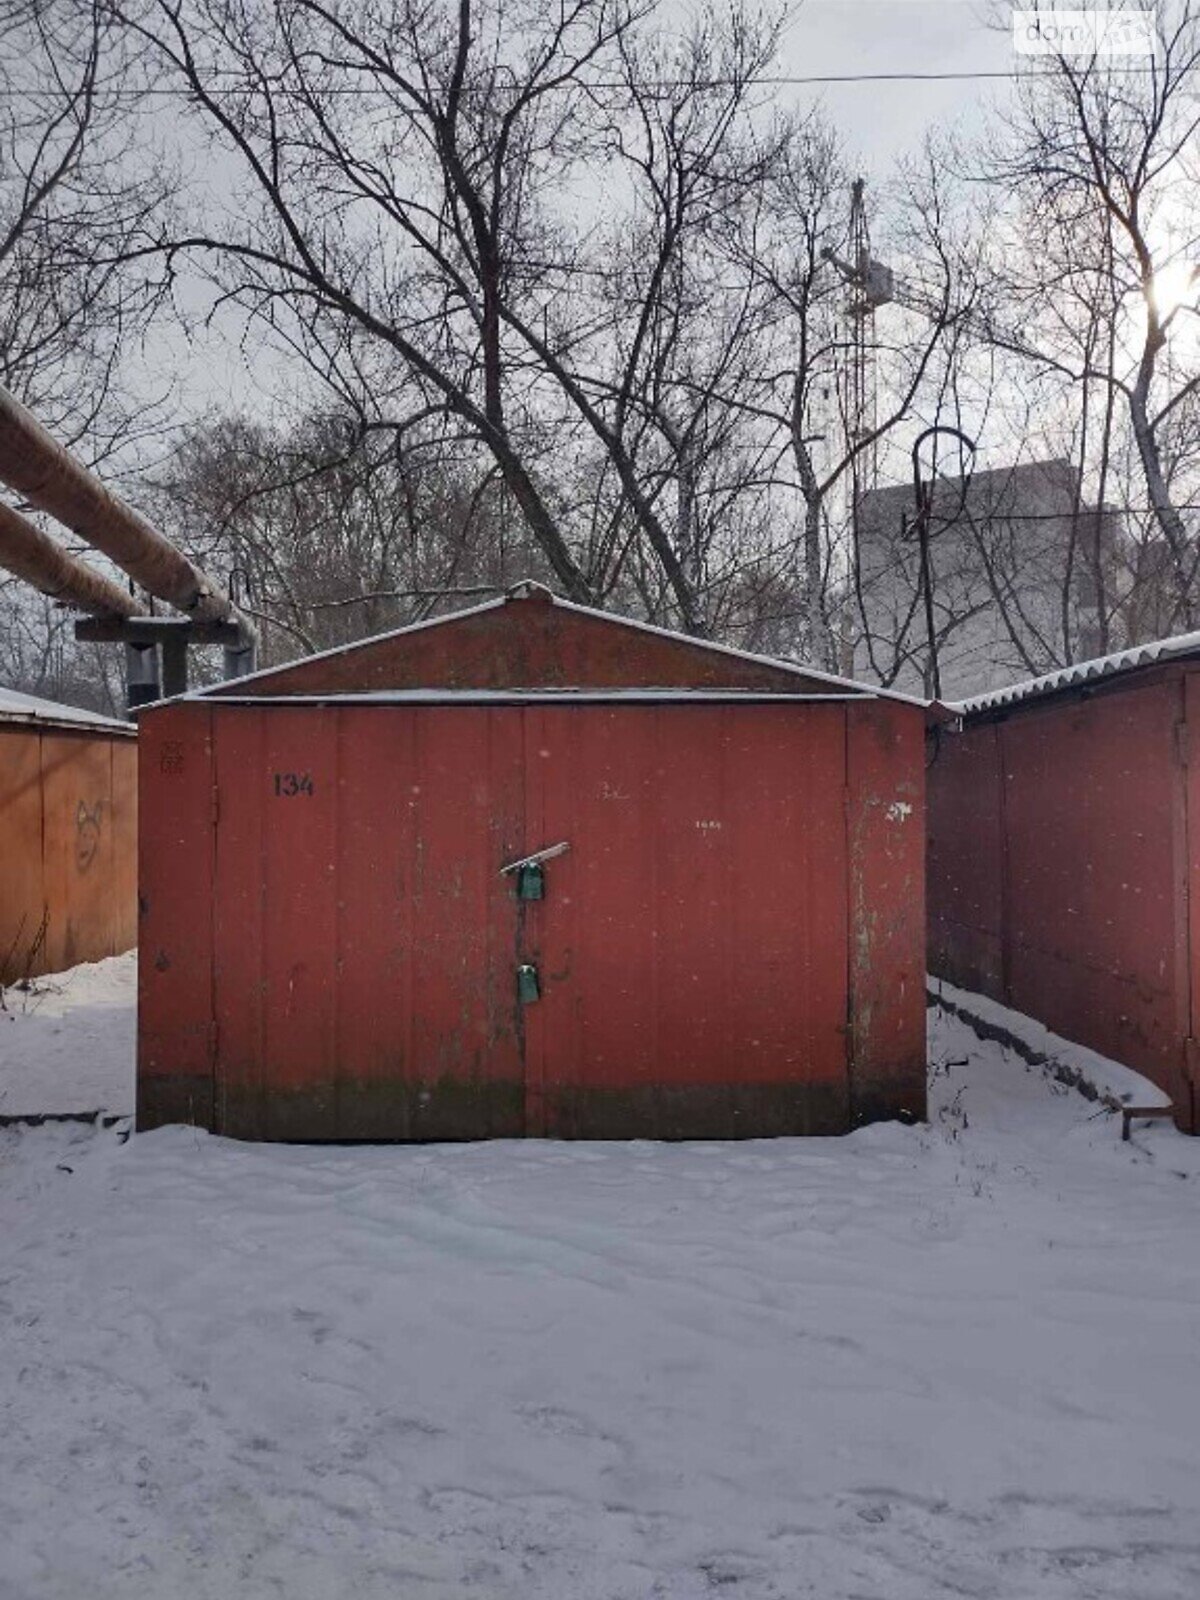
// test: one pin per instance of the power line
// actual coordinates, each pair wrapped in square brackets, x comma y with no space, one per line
[1012,74]
[1084,514]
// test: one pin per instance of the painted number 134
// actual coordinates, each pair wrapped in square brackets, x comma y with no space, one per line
[290,784]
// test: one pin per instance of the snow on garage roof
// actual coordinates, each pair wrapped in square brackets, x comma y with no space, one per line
[1141,655]
[549,697]
[27,708]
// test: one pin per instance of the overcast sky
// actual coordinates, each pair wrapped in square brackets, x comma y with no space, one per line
[831,37]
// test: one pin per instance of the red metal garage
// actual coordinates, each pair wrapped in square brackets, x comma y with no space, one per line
[724,935]
[1064,864]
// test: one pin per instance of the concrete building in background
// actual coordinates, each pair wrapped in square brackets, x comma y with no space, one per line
[1019,563]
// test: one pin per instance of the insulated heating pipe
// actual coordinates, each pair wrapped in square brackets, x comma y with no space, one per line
[32,555]
[45,474]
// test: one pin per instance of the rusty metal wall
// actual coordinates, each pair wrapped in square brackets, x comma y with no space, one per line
[365,942]
[527,643]
[965,852]
[694,946]
[885,778]
[1059,871]
[22,870]
[68,823]
[176,838]
[329,949]
[1187,834]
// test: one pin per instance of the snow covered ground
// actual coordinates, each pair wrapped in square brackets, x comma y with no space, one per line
[954,1360]
[67,1042]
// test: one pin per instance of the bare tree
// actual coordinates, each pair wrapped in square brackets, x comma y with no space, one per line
[823,439]
[74,195]
[331,536]
[1101,162]
[72,199]
[397,165]
[674,338]
[409,221]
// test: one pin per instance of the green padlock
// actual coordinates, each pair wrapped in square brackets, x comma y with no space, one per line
[528,988]
[531,882]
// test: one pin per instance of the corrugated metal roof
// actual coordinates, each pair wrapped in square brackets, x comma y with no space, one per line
[1142,655]
[17,707]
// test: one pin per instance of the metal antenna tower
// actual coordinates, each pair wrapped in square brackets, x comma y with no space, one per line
[869,285]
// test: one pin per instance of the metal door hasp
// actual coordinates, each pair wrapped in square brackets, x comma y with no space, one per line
[538,856]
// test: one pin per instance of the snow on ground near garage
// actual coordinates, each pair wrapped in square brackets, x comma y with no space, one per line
[955,1360]
[67,1041]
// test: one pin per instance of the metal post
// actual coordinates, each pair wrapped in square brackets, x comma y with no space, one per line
[240,660]
[175,666]
[923,495]
[142,683]
[935,671]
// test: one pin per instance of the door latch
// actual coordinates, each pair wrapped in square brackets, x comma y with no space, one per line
[536,856]
[530,874]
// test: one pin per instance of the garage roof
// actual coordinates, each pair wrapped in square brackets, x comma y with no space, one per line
[406,658]
[27,708]
[1180,646]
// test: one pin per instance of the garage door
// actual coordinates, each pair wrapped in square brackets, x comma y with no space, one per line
[674,964]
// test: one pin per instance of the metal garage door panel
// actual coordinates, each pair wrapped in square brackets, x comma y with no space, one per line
[299,784]
[177,907]
[239,955]
[275,968]
[429,1027]
[692,944]
[365,970]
